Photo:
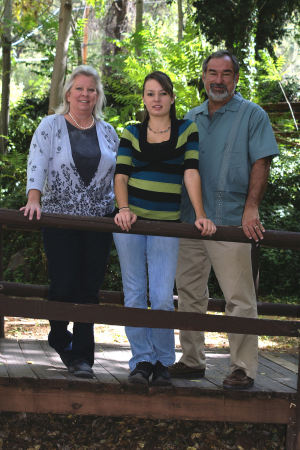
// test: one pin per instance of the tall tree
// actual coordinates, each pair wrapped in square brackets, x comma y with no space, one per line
[139,11]
[18,20]
[139,8]
[235,22]
[6,73]
[272,21]
[180,20]
[115,23]
[85,34]
[60,61]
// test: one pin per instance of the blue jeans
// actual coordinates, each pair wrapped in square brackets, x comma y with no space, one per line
[158,254]
[76,263]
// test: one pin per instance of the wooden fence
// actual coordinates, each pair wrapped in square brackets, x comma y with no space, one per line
[12,302]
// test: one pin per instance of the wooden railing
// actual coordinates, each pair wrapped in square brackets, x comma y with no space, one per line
[12,303]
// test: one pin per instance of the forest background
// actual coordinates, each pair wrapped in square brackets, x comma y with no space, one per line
[125,40]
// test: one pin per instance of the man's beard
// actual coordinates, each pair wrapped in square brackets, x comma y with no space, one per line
[219,96]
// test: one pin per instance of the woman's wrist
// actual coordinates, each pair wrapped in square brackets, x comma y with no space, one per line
[124,207]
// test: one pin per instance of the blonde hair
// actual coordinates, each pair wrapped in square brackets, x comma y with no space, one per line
[89,72]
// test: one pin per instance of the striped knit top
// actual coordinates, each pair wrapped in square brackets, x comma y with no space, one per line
[156,171]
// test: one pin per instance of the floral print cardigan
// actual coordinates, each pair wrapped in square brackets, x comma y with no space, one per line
[52,171]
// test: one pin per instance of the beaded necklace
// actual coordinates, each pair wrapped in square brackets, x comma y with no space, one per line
[159,131]
[79,126]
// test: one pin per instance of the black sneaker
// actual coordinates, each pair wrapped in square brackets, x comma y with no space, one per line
[81,369]
[141,373]
[161,376]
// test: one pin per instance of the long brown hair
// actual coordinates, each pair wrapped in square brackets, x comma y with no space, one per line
[164,80]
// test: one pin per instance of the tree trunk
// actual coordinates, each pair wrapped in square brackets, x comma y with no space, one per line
[115,24]
[85,34]
[77,43]
[180,20]
[60,62]
[139,14]
[139,9]
[6,73]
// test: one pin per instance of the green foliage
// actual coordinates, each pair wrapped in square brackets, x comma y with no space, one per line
[25,117]
[272,21]
[280,210]
[234,23]
[181,61]
[216,21]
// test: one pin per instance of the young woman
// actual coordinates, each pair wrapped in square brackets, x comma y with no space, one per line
[154,158]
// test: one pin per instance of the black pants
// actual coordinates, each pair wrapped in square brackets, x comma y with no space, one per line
[76,265]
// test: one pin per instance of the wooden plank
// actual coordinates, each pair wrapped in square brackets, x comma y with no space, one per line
[262,383]
[265,381]
[100,367]
[115,315]
[273,238]
[3,368]
[116,297]
[59,370]
[281,361]
[16,363]
[278,373]
[40,398]
[34,355]
[281,106]
[115,360]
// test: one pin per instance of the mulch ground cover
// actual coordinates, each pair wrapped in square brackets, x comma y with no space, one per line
[49,431]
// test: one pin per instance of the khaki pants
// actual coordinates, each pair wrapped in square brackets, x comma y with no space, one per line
[231,262]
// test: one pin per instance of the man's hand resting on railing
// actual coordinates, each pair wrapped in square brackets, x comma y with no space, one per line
[33,205]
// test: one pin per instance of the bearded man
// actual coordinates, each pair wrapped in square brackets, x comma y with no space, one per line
[236,147]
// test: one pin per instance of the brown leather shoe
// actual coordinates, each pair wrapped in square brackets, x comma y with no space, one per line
[181,370]
[238,380]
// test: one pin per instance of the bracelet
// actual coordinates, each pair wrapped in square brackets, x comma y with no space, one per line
[124,207]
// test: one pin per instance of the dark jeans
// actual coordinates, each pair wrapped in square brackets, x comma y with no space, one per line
[76,265]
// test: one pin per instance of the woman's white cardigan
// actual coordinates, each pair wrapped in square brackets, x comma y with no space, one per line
[52,171]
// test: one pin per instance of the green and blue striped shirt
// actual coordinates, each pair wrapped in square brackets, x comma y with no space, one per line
[156,171]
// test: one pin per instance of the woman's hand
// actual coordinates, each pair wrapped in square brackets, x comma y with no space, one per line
[32,205]
[31,208]
[125,218]
[206,226]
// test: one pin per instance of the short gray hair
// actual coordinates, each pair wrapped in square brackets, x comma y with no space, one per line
[89,72]
[221,54]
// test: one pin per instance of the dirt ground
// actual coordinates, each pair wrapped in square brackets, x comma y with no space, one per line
[48,431]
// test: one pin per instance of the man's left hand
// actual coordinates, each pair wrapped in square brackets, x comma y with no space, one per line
[251,224]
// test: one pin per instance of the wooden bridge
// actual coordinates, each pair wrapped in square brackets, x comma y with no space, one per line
[33,379]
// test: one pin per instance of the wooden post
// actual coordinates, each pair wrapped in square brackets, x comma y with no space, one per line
[293,428]
[255,252]
[297,444]
[2,334]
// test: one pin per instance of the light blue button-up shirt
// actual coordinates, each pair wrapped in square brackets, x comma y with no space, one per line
[224,200]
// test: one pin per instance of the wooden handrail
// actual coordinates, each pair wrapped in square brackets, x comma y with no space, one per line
[114,315]
[117,298]
[272,238]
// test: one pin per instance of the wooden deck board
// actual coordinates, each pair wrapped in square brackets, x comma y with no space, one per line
[36,359]
[33,379]
[16,364]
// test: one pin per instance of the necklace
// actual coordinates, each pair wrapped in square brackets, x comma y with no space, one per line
[160,131]
[79,126]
